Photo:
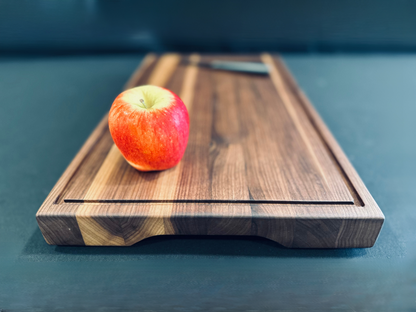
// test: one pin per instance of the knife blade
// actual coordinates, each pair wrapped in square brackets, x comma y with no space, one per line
[245,67]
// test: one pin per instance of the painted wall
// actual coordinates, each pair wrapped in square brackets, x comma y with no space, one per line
[68,26]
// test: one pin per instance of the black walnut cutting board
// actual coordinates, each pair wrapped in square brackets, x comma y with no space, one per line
[260,161]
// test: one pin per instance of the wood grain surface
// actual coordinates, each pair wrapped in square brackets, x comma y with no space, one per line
[259,161]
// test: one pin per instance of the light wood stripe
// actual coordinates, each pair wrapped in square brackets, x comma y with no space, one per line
[164,70]
[93,234]
[281,90]
[187,92]
[161,75]
[167,180]
[132,82]
[111,163]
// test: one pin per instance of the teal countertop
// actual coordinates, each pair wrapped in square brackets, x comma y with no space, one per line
[49,106]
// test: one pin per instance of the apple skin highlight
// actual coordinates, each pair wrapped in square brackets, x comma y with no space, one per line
[150,127]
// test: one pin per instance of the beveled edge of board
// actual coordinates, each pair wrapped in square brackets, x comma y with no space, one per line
[365,210]
[353,180]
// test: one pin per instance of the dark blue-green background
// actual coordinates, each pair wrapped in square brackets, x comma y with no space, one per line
[63,62]
[97,26]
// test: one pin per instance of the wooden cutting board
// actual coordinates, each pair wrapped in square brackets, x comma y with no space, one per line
[260,161]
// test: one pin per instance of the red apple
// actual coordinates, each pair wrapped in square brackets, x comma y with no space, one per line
[150,127]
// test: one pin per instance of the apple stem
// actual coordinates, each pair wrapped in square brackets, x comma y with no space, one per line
[142,101]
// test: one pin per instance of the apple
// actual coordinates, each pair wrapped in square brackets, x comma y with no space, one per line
[150,127]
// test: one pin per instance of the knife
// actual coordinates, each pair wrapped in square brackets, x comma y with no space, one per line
[245,67]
